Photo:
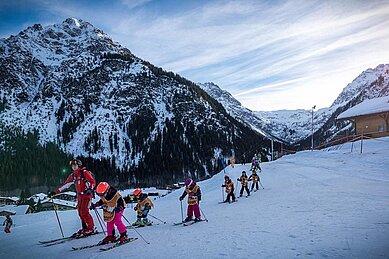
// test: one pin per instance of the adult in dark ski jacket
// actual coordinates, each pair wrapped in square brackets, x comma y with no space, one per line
[194,196]
[84,184]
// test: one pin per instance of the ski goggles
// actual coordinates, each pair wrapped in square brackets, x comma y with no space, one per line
[73,162]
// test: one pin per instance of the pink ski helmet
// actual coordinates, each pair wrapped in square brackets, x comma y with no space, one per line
[188,182]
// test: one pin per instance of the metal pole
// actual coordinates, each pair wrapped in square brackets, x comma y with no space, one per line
[203,214]
[312,128]
[361,140]
[164,222]
[272,149]
[135,230]
[56,214]
[98,219]
[182,213]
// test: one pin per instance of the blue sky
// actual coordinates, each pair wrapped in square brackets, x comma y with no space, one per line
[270,55]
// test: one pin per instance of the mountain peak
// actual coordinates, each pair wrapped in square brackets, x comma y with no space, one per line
[72,21]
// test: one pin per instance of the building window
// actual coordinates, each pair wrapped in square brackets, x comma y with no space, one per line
[381,128]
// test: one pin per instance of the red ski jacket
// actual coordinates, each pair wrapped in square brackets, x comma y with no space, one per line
[82,180]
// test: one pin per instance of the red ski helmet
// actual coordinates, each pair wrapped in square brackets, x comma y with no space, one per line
[137,192]
[102,188]
[226,177]
[75,162]
[188,182]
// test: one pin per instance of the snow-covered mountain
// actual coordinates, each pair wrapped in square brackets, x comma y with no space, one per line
[94,98]
[370,84]
[234,107]
[295,126]
[323,204]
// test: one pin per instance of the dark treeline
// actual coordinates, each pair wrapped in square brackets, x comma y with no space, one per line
[24,162]
[179,151]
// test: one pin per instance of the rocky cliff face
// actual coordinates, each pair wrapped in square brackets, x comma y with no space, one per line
[94,98]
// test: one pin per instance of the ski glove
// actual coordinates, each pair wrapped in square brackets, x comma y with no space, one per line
[92,206]
[136,208]
[181,198]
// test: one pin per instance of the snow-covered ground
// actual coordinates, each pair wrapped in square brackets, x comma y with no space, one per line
[320,204]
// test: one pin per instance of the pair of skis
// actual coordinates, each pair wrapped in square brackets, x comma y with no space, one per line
[188,223]
[220,202]
[64,239]
[114,245]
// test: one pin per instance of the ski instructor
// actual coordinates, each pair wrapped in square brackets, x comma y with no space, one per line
[84,184]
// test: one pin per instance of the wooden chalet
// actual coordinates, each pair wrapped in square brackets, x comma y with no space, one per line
[370,118]
[8,200]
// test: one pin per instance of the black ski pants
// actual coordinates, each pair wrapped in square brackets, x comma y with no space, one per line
[229,196]
[256,185]
[244,188]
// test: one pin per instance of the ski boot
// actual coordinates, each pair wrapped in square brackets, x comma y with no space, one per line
[138,222]
[188,219]
[88,232]
[77,234]
[146,222]
[123,237]
[197,219]
[108,239]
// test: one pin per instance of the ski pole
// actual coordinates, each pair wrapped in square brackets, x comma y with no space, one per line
[262,185]
[56,214]
[203,214]
[98,219]
[223,193]
[182,213]
[135,230]
[164,222]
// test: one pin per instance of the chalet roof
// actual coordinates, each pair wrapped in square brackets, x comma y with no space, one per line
[371,106]
[10,198]
[38,196]
[61,202]
[13,209]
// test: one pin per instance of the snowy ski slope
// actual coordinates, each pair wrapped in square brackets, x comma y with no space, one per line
[320,204]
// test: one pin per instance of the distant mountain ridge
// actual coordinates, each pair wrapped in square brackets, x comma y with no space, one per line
[132,122]
[295,126]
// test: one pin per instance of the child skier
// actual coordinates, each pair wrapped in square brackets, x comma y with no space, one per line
[244,181]
[8,224]
[84,184]
[113,208]
[194,196]
[255,178]
[229,189]
[142,208]
[255,164]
